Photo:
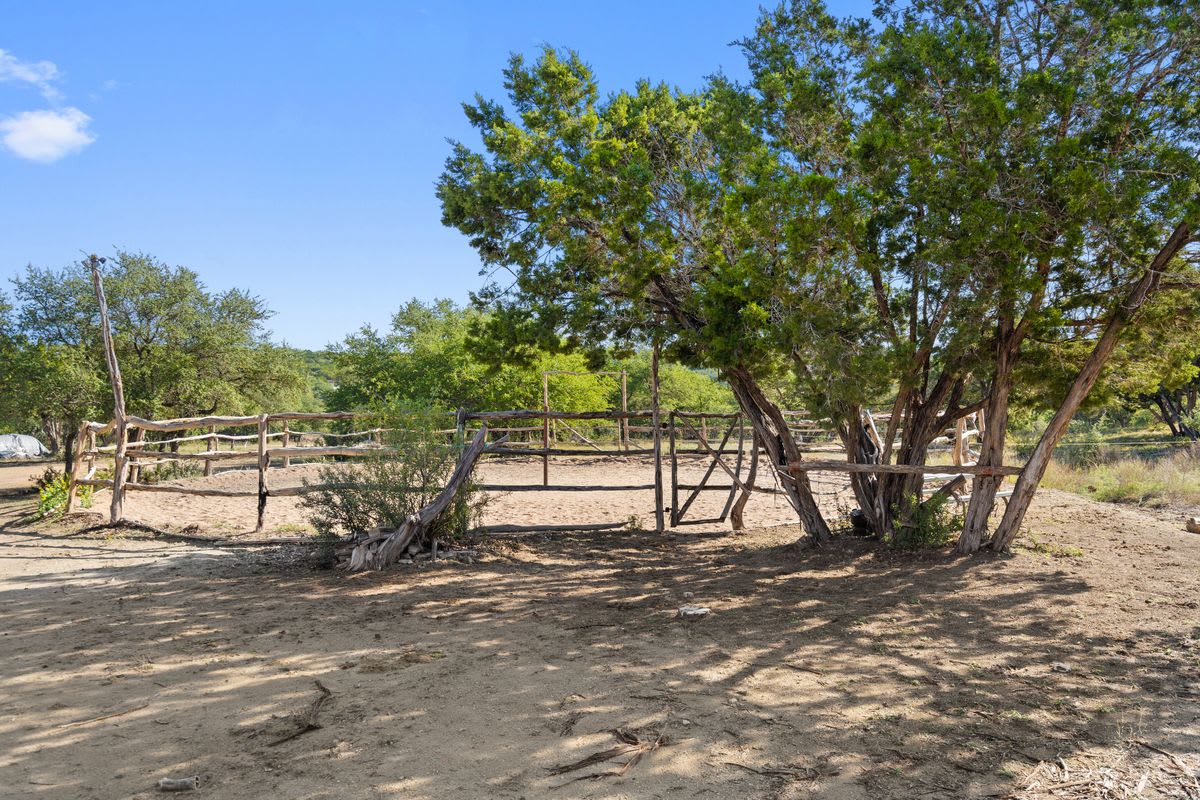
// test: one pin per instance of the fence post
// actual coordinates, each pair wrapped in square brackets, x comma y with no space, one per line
[72,485]
[623,426]
[545,429]
[287,440]
[135,466]
[115,511]
[212,446]
[674,473]
[91,446]
[263,463]
[656,416]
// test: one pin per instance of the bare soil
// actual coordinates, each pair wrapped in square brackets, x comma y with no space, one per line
[847,672]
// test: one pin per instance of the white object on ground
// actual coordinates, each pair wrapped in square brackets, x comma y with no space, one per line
[694,612]
[18,445]
[179,784]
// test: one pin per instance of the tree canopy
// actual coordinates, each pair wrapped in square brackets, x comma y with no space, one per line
[889,207]
[184,350]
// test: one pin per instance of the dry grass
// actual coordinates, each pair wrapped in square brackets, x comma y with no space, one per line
[1174,479]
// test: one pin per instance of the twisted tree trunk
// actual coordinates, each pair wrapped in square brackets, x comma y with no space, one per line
[771,429]
[1124,313]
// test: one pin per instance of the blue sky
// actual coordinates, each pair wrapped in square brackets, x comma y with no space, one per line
[289,148]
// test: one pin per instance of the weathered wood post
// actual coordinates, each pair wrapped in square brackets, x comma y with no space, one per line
[91,446]
[212,447]
[263,463]
[960,429]
[735,514]
[545,429]
[118,389]
[656,422]
[76,465]
[623,427]
[135,467]
[674,471]
[287,440]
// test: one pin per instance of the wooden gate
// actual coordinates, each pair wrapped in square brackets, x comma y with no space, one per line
[681,422]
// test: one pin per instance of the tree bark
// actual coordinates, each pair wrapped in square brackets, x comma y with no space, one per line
[1120,318]
[770,426]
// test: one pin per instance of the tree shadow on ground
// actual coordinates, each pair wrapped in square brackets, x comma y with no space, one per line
[846,672]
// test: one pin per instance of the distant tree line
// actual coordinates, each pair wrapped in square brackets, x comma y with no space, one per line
[184,350]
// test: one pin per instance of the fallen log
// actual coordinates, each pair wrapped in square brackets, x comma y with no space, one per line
[379,552]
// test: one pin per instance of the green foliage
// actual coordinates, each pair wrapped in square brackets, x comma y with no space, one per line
[931,523]
[436,356]
[680,388]
[383,490]
[906,202]
[1133,480]
[52,488]
[184,351]
[172,470]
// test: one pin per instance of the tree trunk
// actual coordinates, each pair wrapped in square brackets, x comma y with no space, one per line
[1122,315]
[991,443]
[69,450]
[771,428]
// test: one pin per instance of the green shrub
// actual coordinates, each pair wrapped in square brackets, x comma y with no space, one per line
[52,488]
[381,491]
[925,524]
[171,471]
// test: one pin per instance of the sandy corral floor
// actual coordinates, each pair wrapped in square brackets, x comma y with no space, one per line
[236,515]
[849,672]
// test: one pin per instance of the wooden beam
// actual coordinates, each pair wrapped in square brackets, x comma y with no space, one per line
[186,423]
[901,469]
[531,414]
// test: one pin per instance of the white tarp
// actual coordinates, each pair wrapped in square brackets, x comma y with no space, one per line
[18,445]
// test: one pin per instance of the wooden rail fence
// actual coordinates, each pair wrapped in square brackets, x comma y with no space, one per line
[720,440]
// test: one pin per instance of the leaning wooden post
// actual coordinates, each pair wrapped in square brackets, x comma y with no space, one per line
[656,422]
[545,429]
[263,463]
[960,430]
[212,446]
[118,389]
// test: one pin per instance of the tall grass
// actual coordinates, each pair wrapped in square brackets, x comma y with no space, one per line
[1149,482]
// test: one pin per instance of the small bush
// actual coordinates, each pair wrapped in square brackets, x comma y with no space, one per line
[52,488]
[925,524]
[173,470]
[381,491]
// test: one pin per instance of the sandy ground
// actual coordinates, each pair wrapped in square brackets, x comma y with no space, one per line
[849,672]
[236,515]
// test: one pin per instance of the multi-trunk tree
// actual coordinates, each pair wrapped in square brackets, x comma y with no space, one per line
[895,207]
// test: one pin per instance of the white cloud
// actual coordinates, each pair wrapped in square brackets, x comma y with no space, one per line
[41,74]
[46,136]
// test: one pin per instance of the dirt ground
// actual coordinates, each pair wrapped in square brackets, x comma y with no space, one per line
[848,672]
[236,515]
